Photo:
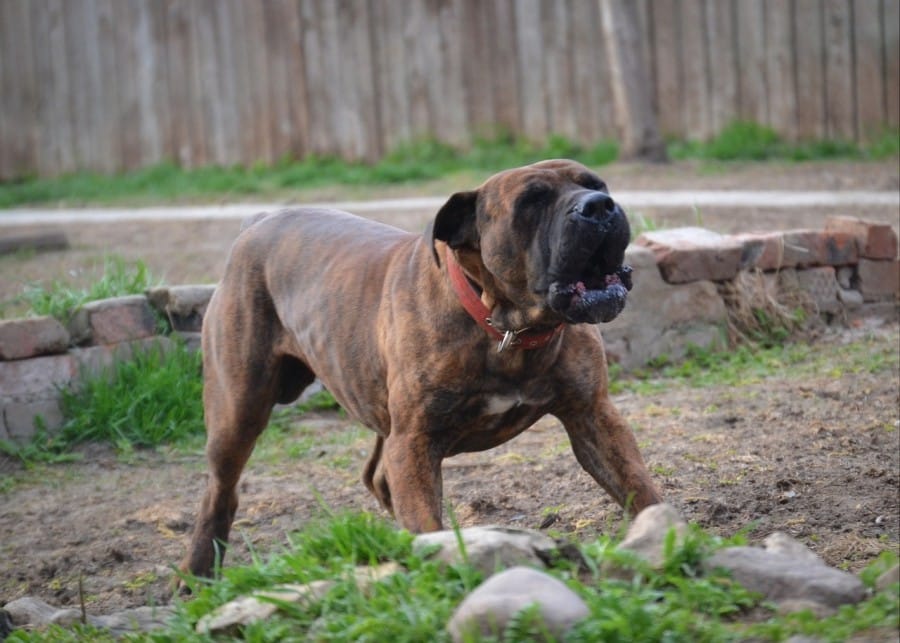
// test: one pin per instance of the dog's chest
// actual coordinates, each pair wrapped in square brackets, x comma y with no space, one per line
[500,403]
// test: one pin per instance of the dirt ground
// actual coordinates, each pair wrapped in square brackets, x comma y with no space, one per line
[816,455]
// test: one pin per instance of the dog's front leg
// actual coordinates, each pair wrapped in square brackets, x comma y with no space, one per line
[413,474]
[605,447]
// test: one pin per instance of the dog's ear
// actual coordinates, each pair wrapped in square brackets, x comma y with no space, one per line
[455,222]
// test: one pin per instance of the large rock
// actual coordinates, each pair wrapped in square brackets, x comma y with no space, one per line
[489,608]
[31,612]
[694,254]
[28,611]
[30,337]
[783,577]
[661,318]
[488,548]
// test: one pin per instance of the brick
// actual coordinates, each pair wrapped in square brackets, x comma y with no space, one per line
[21,338]
[874,240]
[183,306]
[21,418]
[110,321]
[36,377]
[878,280]
[684,255]
[97,359]
[762,250]
[822,287]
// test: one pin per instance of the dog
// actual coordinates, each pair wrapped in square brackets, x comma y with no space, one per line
[451,341]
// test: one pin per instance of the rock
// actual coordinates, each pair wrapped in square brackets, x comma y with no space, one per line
[694,254]
[139,619]
[489,548]
[110,321]
[878,279]
[794,605]
[888,579]
[21,418]
[35,612]
[779,542]
[821,286]
[647,535]
[780,577]
[21,338]
[875,240]
[227,618]
[488,609]
[184,306]
[850,298]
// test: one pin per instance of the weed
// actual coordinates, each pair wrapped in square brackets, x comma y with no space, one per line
[61,299]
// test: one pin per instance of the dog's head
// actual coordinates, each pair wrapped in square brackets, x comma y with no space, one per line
[545,242]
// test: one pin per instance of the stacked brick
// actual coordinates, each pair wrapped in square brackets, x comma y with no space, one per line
[850,263]
[849,267]
[39,356]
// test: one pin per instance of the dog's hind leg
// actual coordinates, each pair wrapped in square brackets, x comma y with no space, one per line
[374,478]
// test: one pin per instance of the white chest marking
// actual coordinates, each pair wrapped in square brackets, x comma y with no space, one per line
[499,404]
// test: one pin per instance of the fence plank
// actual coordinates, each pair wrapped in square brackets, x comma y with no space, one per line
[695,93]
[840,119]
[452,119]
[891,35]
[529,42]
[723,73]
[809,46]
[753,91]
[869,72]
[498,75]
[781,85]
[17,108]
[320,140]
[295,82]
[667,35]
[557,69]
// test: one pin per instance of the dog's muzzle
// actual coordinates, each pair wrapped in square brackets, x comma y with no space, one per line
[589,281]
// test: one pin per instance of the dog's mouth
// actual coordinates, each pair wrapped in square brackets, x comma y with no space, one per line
[597,296]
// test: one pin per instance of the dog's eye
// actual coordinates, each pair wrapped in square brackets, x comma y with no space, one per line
[592,182]
[534,193]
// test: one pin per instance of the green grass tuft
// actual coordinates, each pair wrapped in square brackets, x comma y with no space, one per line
[61,299]
[747,141]
[150,399]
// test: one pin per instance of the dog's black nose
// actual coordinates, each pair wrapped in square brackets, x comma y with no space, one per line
[597,206]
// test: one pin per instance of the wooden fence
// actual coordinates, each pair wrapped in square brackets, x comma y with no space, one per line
[119,84]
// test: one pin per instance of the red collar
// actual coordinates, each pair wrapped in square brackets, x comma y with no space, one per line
[471,301]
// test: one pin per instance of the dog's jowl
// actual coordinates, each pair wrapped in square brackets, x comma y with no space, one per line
[452,341]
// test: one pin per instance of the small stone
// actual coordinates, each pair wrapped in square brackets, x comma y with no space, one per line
[184,306]
[887,579]
[647,535]
[139,619]
[33,612]
[488,548]
[488,609]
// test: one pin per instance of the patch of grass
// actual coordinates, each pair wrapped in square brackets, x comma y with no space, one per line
[416,161]
[748,141]
[116,278]
[749,363]
[677,602]
[150,399]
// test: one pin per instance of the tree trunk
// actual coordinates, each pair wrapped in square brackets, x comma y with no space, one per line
[630,81]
